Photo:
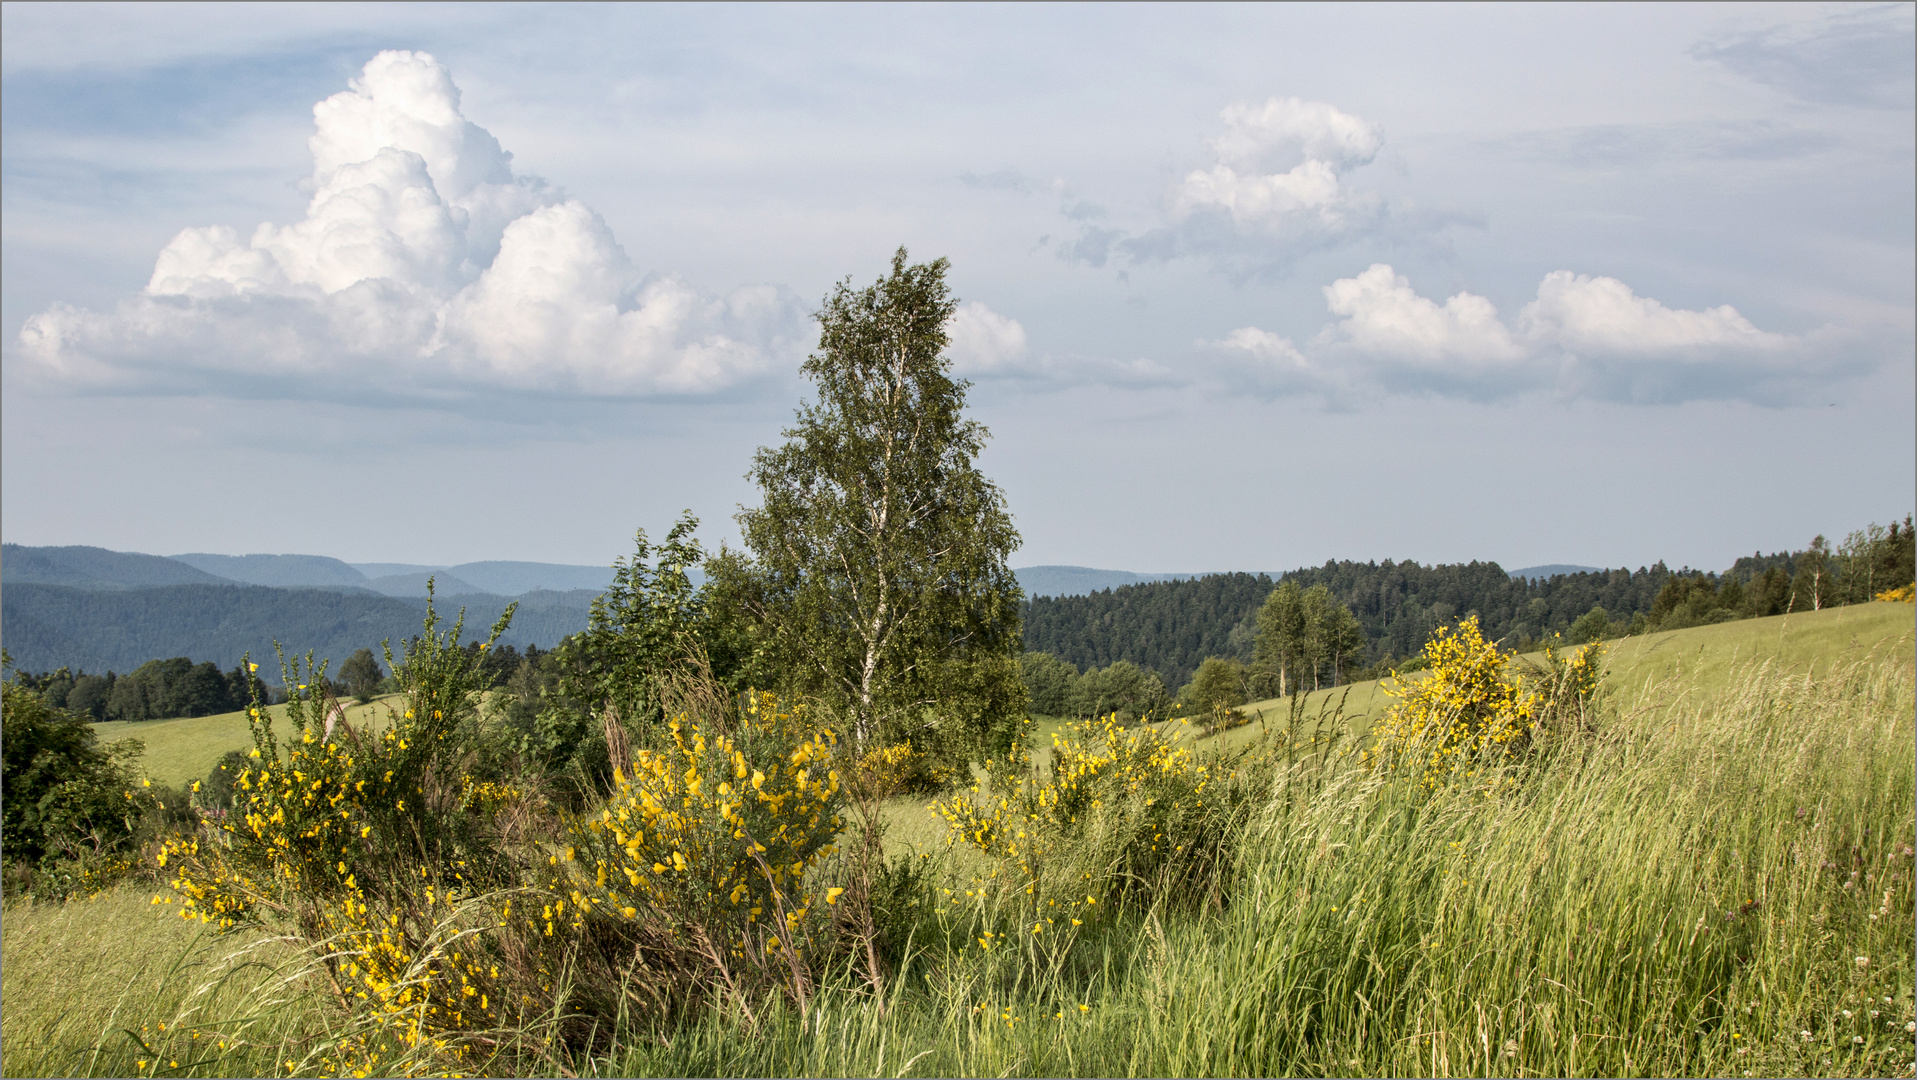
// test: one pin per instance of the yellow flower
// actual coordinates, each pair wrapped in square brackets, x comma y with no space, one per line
[832,895]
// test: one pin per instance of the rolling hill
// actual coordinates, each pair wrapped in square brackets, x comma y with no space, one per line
[49,626]
[97,568]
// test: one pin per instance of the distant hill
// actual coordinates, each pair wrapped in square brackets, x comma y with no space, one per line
[1081,580]
[49,626]
[281,571]
[388,569]
[414,584]
[1551,570]
[499,577]
[514,578]
[1166,626]
[1170,626]
[96,568]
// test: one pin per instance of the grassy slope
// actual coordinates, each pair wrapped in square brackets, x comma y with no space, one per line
[1720,886]
[182,751]
[86,982]
[1700,658]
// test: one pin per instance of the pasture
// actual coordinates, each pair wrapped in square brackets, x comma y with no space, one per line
[1718,881]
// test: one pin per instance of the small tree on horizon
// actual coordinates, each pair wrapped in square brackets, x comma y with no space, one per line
[360,675]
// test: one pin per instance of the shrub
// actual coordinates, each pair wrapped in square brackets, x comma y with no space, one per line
[1126,809]
[372,846]
[73,808]
[1468,710]
[705,840]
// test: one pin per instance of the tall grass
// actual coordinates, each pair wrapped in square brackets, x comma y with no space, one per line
[101,987]
[1702,889]
[1711,885]
[1715,887]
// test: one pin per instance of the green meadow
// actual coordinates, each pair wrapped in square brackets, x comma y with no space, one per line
[181,751]
[1716,881]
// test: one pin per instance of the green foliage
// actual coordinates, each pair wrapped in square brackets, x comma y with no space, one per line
[157,690]
[1219,684]
[67,797]
[879,548]
[360,675]
[1167,627]
[647,624]
[1122,688]
[1593,625]
[217,792]
[1305,640]
[1049,683]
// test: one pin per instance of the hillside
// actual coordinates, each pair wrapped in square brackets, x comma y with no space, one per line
[96,568]
[49,626]
[1170,626]
[280,571]
[1649,669]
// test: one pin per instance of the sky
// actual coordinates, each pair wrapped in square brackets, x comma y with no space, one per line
[1242,288]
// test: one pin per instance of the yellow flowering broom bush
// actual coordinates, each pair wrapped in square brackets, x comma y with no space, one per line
[1468,710]
[706,837]
[1123,812]
[381,851]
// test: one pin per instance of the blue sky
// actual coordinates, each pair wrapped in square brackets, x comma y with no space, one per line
[1245,287]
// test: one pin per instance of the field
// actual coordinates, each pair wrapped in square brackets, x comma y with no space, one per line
[1700,658]
[1699,661]
[1717,882]
[181,751]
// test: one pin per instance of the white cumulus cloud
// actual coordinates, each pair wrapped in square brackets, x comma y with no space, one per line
[1279,167]
[983,342]
[424,265]
[1260,362]
[1382,316]
[1584,336]
[1276,185]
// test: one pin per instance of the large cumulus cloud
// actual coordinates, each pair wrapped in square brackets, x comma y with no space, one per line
[425,267]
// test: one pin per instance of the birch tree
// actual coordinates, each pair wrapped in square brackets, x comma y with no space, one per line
[879,549]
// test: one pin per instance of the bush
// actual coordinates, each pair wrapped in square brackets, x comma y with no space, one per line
[1125,809]
[73,808]
[1469,712]
[705,840]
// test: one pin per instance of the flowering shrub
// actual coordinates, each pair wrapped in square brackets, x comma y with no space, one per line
[1123,807]
[1468,708]
[1903,594]
[707,837]
[384,854]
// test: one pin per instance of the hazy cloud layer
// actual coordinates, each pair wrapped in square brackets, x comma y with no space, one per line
[1859,57]
[1584,336]
[424,267]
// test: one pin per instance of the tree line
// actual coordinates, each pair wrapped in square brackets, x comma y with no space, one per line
[156,690]
[1169,628]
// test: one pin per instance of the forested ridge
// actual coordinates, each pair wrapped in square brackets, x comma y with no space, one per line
[1170,627]
[51,626]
